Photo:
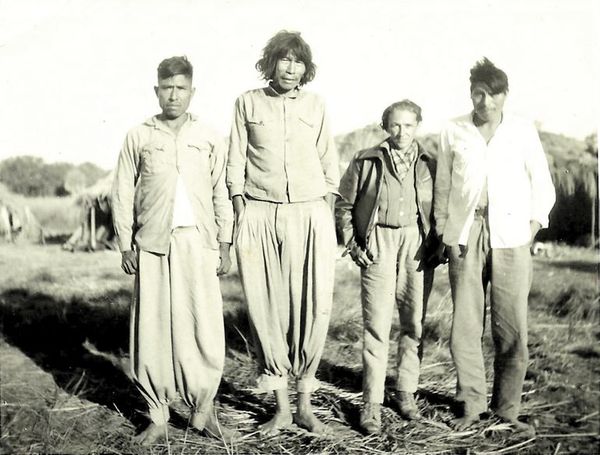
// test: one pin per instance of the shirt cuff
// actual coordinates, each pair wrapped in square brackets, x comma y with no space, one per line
[234,190]
[124,246]
[225,235]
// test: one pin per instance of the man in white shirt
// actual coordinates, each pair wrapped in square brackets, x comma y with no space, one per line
[493,192]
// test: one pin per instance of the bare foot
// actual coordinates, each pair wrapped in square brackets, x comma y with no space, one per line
[214,429]
[464,422]
[151,434]
[519,427]
[280,421]
[307,420]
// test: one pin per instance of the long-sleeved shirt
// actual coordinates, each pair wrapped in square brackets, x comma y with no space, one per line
[143,194]
[519,185]
[281,149]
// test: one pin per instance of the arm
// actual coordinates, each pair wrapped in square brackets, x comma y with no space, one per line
[122,196]
[344,207]
[443,183]
[221,205]
[328,156]
[543,194]
[345,204]
[236,164]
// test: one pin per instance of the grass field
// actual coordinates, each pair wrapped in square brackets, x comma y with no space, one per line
[65,389]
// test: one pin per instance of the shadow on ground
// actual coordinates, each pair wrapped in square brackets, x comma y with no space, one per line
[54,333]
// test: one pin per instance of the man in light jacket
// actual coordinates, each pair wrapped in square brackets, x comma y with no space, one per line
[174,223]
[493,193]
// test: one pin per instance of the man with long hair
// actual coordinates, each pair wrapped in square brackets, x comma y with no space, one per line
[283,176]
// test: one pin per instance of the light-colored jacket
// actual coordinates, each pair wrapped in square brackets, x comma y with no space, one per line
[519,184]
[281,148]
[144,186]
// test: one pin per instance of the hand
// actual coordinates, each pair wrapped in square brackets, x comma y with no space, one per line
[361,257]
[535,226]
[330,199]
[224,259]
[456,252]
[238,205]
[129,262]
[440,255]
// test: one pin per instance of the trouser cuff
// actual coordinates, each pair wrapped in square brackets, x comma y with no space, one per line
[268,383]
[159,415]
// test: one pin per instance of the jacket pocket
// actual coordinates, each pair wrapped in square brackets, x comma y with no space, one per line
[156,158]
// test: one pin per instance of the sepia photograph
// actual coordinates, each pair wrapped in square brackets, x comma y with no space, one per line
[299,227]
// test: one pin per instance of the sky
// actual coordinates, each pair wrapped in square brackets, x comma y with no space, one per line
[78,74]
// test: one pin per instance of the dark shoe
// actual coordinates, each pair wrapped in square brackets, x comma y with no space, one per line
[407,405]
[370,418]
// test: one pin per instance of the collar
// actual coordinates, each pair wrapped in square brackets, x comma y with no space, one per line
[293,94]
[384,147]
[156,123]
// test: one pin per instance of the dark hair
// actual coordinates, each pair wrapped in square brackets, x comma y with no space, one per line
[173,66]
[278,47]
[485,72]
[406,105]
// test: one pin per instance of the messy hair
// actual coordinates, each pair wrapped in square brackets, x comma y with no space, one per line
[485,72]
[278,47]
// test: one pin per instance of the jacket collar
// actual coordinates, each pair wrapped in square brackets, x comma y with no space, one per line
[379,150]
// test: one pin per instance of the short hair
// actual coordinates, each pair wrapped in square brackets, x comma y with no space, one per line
[405,105]
[174,66]
[278,47]
[485,72]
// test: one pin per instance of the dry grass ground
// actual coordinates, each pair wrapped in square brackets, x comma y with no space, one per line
[64,385]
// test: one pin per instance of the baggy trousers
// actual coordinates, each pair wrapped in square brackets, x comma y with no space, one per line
[177,338]
[509,272]
[393,280]
[286,256]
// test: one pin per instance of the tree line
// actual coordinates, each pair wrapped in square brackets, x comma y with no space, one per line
[31,176]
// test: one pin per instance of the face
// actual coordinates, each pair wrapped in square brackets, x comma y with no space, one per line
[174,95]
[402,126]
[288,73]
[486,105]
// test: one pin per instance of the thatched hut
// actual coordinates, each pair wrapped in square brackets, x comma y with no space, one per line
[17,222]
[95,230]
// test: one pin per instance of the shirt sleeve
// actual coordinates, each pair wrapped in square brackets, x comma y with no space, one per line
[443,182]
[328,155]
[238,149]
[122,194]
[543,194]
[221,203]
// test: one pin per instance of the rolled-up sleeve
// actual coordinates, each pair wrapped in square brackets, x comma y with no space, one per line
[221,203]
[238,149]
[123,191]
[543,194]
[443,182]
